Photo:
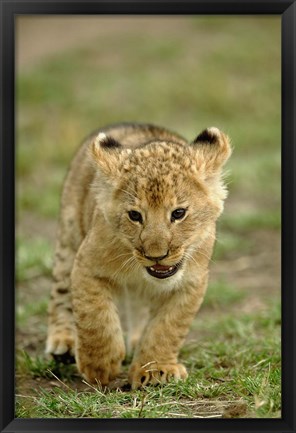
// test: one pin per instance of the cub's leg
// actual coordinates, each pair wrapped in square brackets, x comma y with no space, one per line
[61,332]
[156,357]
[60,336]
[134,314]
[100,346]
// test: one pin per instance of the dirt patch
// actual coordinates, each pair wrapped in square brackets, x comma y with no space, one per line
[258,273]
[33,46]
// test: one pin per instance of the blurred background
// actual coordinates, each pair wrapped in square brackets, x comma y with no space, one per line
[75,74]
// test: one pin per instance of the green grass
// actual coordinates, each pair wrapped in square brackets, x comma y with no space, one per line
[27,310]
[166,82]
[225,376]
[47,206]
[219,294]
[247,221]
[229,242]
[34,258]
[43,368]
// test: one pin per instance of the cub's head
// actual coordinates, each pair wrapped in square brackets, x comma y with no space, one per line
[162,198]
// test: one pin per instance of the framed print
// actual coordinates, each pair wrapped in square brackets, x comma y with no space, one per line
[147,216]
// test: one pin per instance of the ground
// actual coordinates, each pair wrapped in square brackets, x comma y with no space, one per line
[75,75]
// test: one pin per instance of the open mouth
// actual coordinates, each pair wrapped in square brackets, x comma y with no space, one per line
[161,271]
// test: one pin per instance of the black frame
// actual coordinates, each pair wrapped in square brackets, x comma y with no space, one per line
[8,10]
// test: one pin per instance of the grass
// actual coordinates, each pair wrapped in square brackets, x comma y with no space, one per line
[220,293]
[225,379]
[191,93]
[222,71]
[34,258]
[228,242]
[31,310]
[253,220]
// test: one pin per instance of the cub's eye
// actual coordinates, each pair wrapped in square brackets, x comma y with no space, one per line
[178,214]
[135,216]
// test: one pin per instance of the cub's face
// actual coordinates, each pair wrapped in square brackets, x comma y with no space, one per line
[164,222]
[163,199]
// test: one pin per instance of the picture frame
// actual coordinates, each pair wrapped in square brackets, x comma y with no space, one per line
[9,10]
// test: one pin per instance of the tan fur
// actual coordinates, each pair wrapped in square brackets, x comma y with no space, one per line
[102,255]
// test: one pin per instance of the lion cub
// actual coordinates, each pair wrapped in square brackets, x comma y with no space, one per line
[136,233]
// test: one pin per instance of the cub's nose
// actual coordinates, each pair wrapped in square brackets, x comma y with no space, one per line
[156,259]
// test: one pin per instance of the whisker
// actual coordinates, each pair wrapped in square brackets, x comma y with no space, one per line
[120,255]
[127,266]
[190,257]
[205,255]
[199,251]
[133,266]
[116,273]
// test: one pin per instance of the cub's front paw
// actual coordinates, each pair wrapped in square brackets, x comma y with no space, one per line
[154,373]
[99,369]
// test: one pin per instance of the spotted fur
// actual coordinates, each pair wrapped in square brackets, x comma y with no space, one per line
[124,282]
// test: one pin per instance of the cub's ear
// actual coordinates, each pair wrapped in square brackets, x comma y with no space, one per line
[213,150]
[106,153]
[106,142]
